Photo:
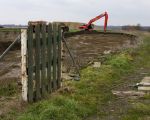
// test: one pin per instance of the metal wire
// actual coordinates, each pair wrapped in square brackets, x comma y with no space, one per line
[8,49]
[72,58]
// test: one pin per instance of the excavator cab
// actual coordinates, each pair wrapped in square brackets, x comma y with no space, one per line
[91,27]
[87,27]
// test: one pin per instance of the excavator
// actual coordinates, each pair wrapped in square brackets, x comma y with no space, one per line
[90,26]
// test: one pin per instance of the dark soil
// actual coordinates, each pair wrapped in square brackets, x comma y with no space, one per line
[5,45]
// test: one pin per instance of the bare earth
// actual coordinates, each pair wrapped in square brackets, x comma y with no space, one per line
[85,48]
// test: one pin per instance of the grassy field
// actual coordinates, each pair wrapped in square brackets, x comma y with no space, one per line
[82,99]
[9,29]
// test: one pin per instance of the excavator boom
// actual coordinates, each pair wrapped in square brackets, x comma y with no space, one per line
[88,26]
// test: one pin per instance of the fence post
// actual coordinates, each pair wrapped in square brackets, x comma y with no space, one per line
[23,64]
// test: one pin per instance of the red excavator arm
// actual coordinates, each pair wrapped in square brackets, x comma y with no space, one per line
[88,26]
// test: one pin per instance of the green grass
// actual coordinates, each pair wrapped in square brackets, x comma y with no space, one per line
[86,97]
[74,30]
[9,89]
[143,54]
[9,29]
[139,110]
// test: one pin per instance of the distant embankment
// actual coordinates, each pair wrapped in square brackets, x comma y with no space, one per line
[8,34]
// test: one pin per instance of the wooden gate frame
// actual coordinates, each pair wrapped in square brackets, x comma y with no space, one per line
[41,46]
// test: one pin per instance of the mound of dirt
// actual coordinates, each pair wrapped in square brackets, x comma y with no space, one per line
[88,46]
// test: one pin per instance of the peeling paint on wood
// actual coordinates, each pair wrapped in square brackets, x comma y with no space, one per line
[24,62]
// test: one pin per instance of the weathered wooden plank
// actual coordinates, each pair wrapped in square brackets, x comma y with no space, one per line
[34,67]
[37,62]
[49,53]
[144,88]
[59,57]
[54,56]
[24,64]
[43,59]
[30,63]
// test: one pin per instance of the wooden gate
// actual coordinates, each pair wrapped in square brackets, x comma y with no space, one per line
[41,60]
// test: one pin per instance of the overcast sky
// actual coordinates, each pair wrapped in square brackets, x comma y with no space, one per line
[121,12]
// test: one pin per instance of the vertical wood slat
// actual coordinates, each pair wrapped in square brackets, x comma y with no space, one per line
[49,53]
[30,62]
[54,56]
[37,62]
[24,78]
[59,57]
[43,59]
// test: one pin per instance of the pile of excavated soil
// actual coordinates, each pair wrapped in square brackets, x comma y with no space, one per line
[88,46]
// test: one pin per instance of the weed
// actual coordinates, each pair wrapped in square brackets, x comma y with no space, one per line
[138,112]
[8,90]
[10,29]
[93,90]
[73,30]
